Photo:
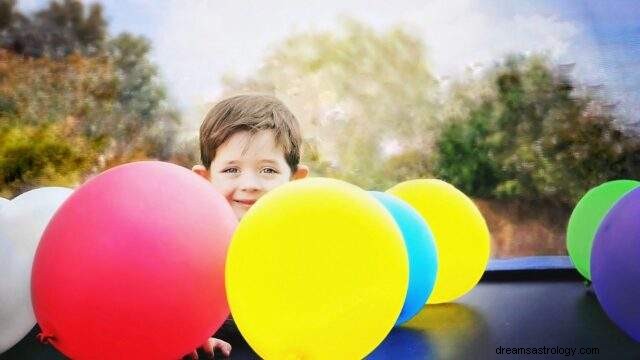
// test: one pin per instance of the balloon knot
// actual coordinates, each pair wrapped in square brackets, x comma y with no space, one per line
[45,337]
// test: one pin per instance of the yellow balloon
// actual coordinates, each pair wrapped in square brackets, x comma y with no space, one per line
[317,269]
[460,232]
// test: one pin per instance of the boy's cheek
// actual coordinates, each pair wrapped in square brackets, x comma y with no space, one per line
[225,191]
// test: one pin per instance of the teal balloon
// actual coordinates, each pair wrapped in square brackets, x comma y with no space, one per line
[586,218]
[421,249]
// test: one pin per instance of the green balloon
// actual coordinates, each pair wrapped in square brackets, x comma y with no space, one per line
[586,218]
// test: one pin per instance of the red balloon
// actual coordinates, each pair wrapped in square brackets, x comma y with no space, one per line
[132,265]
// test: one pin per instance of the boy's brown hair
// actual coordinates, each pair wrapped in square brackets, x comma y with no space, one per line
[250,113]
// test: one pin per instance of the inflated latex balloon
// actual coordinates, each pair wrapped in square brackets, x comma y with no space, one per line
[22,222]
[3,202]
[132,265]
[421,249]
[15,305]
[614,264]
[586,218]
[317,269]
[24,218]
[460,232]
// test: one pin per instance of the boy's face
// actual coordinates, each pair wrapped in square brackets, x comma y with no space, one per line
[245,168]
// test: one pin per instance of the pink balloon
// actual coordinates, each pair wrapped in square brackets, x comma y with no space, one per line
[132,265]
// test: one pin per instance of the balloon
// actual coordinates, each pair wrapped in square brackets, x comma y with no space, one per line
[24,219]
[421,249]
[317,267]
[3,202]
[132,265]
[15,307]
[614,264]
[460,232]
[586,218]
[22,222]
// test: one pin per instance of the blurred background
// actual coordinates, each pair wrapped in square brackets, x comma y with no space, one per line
[523,105]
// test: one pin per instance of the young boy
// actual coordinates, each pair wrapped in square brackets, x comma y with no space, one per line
[249,145]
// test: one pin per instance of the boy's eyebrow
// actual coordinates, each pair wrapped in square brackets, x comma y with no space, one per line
[229,162]
[269,161]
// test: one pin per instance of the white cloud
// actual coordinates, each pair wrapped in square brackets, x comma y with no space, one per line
[464,35]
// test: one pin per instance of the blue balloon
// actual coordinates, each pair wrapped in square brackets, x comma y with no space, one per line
[421,249]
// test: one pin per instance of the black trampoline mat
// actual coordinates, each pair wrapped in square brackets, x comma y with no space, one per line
[515,310]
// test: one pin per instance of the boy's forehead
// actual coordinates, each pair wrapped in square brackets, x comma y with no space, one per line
[259,146]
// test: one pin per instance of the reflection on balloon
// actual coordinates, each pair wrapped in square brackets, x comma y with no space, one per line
[404,343]
[454,331]
[316,268]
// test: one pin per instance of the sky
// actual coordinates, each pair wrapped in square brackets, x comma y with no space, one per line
[197,42]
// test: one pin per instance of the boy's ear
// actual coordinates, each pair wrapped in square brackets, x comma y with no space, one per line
[202,171]
[301,173]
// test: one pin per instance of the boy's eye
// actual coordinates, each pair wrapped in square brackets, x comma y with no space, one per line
[269,171]
[231,170]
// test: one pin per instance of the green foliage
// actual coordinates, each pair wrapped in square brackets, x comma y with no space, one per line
[42,155]
[533,137]
[465,156]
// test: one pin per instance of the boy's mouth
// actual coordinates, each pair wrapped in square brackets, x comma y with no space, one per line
[245,203]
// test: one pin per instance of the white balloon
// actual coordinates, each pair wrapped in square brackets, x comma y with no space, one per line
[22,222]
[3,202]
[14,297]
[24,219]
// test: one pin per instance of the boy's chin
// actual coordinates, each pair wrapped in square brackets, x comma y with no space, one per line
[239,212]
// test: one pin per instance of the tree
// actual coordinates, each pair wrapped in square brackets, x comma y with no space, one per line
[142,100]
[465,158]
[355,93]
[533,136]
[64,28]
[140,90]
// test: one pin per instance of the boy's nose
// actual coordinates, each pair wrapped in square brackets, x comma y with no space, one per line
[250,182]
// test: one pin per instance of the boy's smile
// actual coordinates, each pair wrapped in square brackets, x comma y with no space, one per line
[242,202]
